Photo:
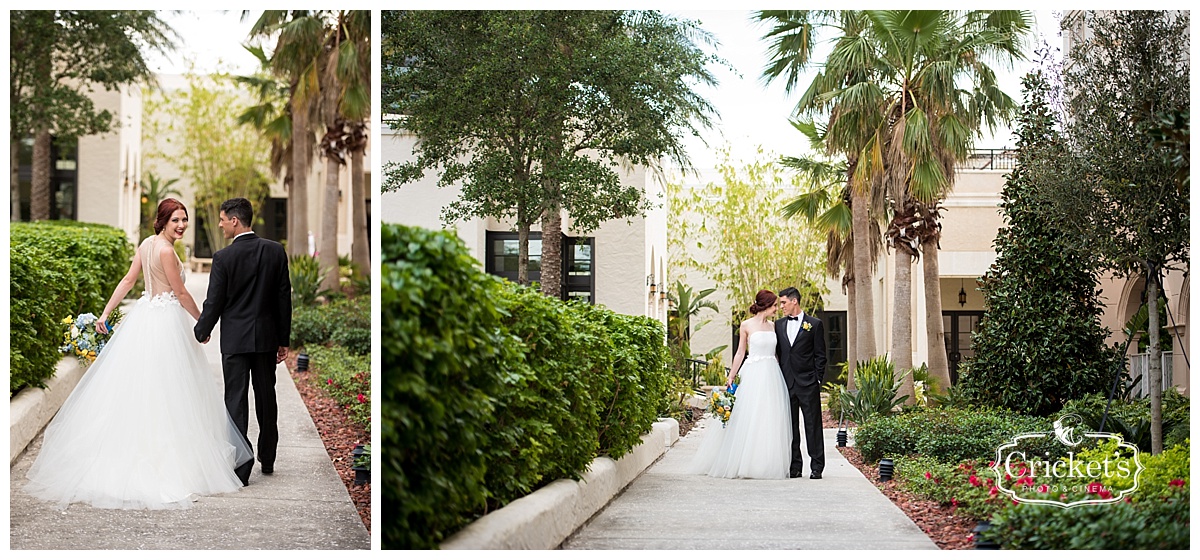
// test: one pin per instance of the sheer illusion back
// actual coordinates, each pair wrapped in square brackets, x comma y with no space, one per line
[152,268]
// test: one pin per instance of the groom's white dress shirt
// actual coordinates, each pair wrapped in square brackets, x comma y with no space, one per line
[793,328]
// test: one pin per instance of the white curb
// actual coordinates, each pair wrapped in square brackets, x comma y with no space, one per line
[545,518]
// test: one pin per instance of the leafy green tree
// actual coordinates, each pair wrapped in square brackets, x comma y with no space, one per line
[195,129]
[1121,198]
[534,111]
[272,118]
[56,58]
[1040,342]
[731,231]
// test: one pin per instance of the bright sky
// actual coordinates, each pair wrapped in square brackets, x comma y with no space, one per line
[751,114]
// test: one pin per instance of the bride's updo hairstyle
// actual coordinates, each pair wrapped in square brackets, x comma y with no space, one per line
[165,208]
[764,299]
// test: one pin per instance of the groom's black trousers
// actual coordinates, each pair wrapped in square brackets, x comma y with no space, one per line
[806,402]
[257,370]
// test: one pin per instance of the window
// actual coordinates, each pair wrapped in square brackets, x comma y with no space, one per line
[579,262]
[64,174]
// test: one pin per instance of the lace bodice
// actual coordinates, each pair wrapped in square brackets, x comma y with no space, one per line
[761,346]
[157,283]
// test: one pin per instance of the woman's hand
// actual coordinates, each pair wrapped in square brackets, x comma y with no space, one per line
[102,324]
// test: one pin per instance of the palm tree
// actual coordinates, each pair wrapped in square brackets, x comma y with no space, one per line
[848,133]
[272,117]
[154,190]
[300,37]
[891,85]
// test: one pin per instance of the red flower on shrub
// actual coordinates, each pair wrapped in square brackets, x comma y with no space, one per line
[1177,482]
[1105,494]
[974,480]
[990,482]
[329,381]
[928,475]
[995,490]
[1094,487]
[1043,489]
[361,398]
[954,502]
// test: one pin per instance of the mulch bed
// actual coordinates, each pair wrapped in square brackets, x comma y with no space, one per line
[828,420]
[339,434]
[949,530]
[686,425]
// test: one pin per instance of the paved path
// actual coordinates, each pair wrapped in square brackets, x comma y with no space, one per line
[304,505]
[668,509]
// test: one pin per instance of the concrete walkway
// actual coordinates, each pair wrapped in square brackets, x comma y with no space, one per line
[668,509]
[303,505]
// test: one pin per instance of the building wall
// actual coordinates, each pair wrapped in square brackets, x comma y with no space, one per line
[109,165]
[626,252]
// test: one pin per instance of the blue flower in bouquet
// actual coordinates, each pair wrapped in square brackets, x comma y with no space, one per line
[81,339]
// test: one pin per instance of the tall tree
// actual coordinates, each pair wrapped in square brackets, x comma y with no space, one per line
[533,111]
[914,88]
[731,231]
[57,57]
[1040,342]
[272,118]
[1122,200]
[299,40]
[220,159]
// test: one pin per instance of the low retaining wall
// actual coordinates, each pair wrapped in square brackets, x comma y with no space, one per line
[33,408]
[545,518]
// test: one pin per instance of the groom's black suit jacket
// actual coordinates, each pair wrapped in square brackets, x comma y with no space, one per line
[250,291]
[802,362]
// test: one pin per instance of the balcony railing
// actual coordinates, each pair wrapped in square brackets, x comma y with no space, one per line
[990,159]
[1139,365]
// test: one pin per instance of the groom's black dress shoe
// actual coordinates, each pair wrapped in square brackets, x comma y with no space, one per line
[815,476]
[797,474]
[268,469]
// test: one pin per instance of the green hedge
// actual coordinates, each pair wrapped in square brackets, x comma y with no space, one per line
[491,390]
[949,435]
[1162,523]
[343,322]
[58,269]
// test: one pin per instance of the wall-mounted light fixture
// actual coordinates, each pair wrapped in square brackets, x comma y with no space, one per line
[962,293]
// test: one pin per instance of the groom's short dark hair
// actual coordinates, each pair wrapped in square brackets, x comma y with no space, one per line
[239,208]
[790,293]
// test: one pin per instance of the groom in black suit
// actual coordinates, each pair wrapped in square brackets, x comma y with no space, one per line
[250,291]
[801,353]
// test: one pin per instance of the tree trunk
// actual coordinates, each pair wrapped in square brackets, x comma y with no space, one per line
[328,257]
[299,170]
[939,367]
[552,251]
[522,251]
[39,192]
[851,348]
[360,251]
[293,236]
[1154,370]
[902,323]
[14,147]
[864,316]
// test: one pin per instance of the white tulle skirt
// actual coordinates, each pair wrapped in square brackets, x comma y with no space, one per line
[146,428]
[756,442]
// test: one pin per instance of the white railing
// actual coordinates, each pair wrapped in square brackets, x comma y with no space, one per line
[1139,364]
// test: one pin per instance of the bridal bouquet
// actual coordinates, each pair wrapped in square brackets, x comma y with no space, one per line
[720,403]
[81,339]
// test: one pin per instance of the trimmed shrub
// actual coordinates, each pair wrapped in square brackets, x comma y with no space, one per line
[1161,523]
[343,322]
[950,435]
[444,357]
[1132,419]
[346,377]
[491,390]
[58,269]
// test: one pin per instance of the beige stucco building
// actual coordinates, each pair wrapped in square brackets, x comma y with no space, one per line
[99,181]
[613,266]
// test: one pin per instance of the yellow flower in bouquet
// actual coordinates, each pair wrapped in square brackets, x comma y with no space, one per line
[720,403]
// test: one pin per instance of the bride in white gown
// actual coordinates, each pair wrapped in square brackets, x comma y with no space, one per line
[756,442]
[146,427]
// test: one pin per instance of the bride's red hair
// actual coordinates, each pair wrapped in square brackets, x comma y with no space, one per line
[165,208]
[764,299]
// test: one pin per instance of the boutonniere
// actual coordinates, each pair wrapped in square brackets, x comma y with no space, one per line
[807,326]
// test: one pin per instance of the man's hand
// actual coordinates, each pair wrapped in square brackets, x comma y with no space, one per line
[206,339]
[281,355]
